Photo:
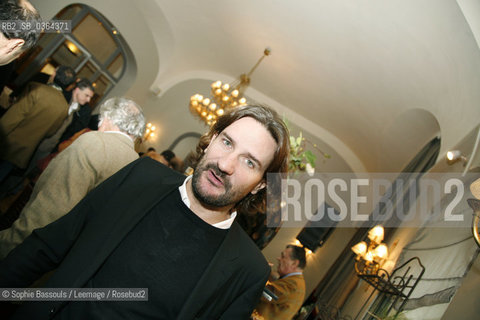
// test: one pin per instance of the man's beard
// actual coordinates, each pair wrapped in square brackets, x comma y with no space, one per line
[228,198]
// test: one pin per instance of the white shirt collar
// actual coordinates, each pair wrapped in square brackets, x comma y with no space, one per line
[73,107]
[225,224]
[53,85]
[292,274]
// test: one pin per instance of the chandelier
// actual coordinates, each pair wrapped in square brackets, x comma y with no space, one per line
[224,96]
[149,132]
[370,256]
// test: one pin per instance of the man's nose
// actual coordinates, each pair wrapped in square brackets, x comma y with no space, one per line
[227,164]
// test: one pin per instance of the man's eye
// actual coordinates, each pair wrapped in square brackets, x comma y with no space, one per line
[250,163]
[227,142]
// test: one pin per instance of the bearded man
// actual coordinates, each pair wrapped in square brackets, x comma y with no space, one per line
[150,227]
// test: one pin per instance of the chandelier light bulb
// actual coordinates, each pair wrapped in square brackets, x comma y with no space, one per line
[376,234]
[217,84]
[218,91]
[204,113]
[225,87]
[242,101]
[235,93]
[212,106]
[360,248]
[153,128]
[452,155]
[206,102]
[381,251]
[369,256]
[220,112]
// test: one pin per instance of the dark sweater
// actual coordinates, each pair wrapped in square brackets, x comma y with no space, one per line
[169,241]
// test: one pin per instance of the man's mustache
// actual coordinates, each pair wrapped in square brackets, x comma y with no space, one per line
[219,173]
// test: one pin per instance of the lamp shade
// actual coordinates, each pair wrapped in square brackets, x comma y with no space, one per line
[360,248]
[453,155]
[381,251]
[376,234]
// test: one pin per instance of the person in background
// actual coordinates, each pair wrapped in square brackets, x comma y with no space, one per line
[81,96]
[167,157]
[148,226]
[289,287]
[15,41]
[91,159]
[13,208]
[82,93]
[36,115]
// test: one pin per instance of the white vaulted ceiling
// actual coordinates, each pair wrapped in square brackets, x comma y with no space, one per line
[363,76]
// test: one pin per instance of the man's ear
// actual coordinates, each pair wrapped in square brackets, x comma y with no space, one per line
[259,187]
[296,262]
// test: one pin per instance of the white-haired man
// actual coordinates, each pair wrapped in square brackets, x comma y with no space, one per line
[91,159]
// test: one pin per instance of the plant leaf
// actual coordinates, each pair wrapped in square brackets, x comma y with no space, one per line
[311,158]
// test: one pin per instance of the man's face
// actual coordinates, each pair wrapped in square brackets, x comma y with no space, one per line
[82,96]
[286,264]
[233,164]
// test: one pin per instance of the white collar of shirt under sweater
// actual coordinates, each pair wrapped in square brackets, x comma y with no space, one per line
[225,224]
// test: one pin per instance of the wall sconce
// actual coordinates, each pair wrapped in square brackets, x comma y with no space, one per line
[308,252]
[454,156]
[370,257]
[149,132]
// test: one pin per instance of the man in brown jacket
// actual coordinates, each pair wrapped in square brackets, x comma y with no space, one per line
[37,114]
[289,288]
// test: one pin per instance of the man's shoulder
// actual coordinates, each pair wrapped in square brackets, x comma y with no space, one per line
[155,171]
[247,249]
[99,136]
[296,282]
[112,148]
[88,137]
[41,87]
[44,90]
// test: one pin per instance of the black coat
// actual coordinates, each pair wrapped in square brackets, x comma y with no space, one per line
[78,243]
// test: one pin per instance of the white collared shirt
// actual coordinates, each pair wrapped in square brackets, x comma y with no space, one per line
[291,274]
[225,224]
[73,107]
